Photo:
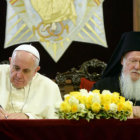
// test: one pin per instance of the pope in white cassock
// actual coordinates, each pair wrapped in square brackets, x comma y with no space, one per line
[24,93]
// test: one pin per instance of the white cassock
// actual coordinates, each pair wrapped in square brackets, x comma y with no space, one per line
[38,99]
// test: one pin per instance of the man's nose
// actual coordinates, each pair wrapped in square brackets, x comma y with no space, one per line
[137,65]
[19,74]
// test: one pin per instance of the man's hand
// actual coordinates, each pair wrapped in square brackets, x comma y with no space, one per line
[136,111]
[17,116]
[3,113]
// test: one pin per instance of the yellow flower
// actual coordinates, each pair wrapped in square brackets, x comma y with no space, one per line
[74,108]
[82,99]
[106,107]
[122,99]
[89,99]
[88,106]
[106,98]
[96,91]
[116,93]
[115,97]
[96,107]
[67,98]
[65,107]
[120,106]
[127,106]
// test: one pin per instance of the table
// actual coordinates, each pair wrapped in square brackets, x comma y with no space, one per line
[50,129]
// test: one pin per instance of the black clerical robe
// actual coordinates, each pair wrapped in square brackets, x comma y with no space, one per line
[109,83]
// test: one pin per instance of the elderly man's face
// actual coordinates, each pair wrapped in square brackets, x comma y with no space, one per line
[132,64]
[22,68]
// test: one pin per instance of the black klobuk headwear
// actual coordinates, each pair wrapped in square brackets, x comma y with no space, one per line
[130,41]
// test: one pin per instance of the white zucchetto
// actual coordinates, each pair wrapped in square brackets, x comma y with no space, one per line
[29,48]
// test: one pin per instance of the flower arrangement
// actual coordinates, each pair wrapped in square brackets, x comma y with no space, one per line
[94,105]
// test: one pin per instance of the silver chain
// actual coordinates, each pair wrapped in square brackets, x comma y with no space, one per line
[24,101]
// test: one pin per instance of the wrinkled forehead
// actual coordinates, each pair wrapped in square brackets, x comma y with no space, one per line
[23,58]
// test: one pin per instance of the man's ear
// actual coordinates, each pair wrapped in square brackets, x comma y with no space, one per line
[122,60]
[10,59]
[38,68]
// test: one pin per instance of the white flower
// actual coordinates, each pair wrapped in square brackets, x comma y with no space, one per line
[84,92]
[104,92]
[90,93]
[73,100]
[113,107]
[96,98]
[81,107]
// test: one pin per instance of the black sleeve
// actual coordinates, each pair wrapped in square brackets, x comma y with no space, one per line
[109,83]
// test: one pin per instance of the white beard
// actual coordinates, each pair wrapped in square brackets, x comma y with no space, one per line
[130,89]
